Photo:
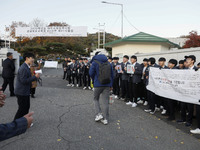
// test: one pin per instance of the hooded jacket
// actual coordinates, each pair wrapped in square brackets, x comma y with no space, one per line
[94,71]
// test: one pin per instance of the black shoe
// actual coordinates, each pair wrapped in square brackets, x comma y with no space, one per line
[170,119]
[32,96]
[180,121]
[187,124]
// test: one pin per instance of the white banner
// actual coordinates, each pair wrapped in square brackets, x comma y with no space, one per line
[51,64]
[52,31]
[181,85]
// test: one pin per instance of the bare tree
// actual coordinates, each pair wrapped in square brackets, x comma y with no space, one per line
[37,23]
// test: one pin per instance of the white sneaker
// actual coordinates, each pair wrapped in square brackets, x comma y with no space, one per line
[77,85]
[129,103]
[92,89]
[98,117]
[104,121]
[157,109]
[31,125]
[68,84]
[163,112]
[134,105]
[116,97]
[152,112]
[147,110]
[161,107]
[196,131]
[145,103]
[72,85]
[140,102]
[89,88]
[84,88]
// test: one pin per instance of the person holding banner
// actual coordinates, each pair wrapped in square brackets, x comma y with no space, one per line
[162,100]
[125,94]
[170,102]
[197,130]
[150,95]
[188,106]
[181,64]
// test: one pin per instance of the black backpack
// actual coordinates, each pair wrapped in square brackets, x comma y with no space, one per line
[104,72]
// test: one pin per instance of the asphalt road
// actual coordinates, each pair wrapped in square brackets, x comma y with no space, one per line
[64,119]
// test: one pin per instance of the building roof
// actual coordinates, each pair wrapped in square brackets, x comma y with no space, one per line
[142,37]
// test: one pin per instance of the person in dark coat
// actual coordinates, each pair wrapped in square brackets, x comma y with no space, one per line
[187,119]
[116,88]
[8,73]
[143,83]
[74,68]
[23,85]
[64,68]
[100,89]
[171,103]
[134,82]
[125,93]
[150,95]
[80,72]
[86,75]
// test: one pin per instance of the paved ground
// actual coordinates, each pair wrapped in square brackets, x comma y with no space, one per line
[64,120]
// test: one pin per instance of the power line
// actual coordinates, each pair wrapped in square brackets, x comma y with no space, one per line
[131,23]
[115,21]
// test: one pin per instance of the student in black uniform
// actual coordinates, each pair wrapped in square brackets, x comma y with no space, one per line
[86,76]
[8,73]
[143,83]
[181,64]
[136,79]
[171,104]
[69,72]
[150,95]
[73,68]
[125,94]
[80,72]
[188,106]
[64,68]
[162,100]
[110,59]
[116,88]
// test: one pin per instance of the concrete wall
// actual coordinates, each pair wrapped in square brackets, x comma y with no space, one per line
[133,48]
[176,54]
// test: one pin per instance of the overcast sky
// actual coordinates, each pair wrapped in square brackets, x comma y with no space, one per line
[165,18]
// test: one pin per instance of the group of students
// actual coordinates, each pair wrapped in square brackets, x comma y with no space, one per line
[76,71]
[131,88]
